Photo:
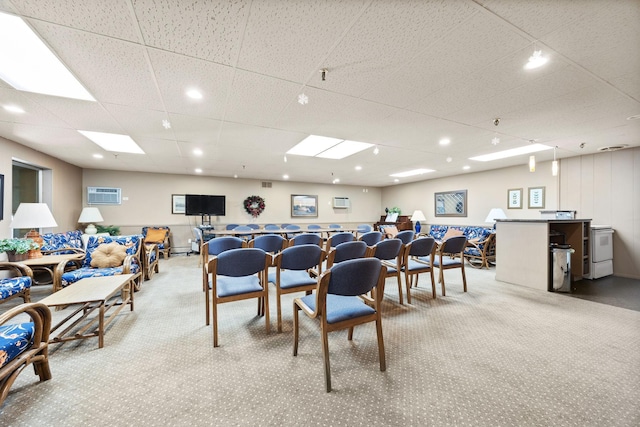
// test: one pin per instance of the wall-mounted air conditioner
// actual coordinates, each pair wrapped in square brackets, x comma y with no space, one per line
[103,196]
[340,202]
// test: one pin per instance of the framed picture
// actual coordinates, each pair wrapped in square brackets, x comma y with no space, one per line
[514,198]
[451,203]
[536,197]
[1,197]
[177,204]
[304,205]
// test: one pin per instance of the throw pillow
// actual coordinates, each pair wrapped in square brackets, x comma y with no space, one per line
[155,235]
[451,232]
[108,255]
[390,231]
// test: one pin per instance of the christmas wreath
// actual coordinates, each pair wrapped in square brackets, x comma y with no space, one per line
[254,205]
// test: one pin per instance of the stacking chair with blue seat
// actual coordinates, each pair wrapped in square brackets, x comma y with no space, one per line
[406,236]
[293,228]
[253,226]
[418,258]
[364,228]
[24,343]
[389,251]
[292,272]
[270,243]
[341,302]
[231,226]
[306,239]
[237,274]
[450,255]
[314,227]
[346,251]
[371,238]
[244,232]
[215,247]
[337,238]
[271,227]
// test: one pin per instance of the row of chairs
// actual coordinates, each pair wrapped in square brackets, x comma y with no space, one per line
[239,270]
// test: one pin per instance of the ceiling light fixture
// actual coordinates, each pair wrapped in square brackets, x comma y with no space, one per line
[466,167]
[536,60]
[194,94]
[285,158]
[303,99]
[411,173]
[527,149]
[327,147]
[285,176]
[29,65]
[449,159]
[113,142]
[532,163]
[198,170]
[344,149]
[197,152]
[13,109]
[445,141]
[554,164]
[98,156]
[358,168]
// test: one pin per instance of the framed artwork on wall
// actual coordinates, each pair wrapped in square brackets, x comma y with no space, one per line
[451,203]
[304,205]
[178,204]
[536,197]
[514,198]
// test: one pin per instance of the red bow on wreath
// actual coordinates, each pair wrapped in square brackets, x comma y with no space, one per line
[254,205]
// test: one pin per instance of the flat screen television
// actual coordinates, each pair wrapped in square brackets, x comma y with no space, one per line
[203,204]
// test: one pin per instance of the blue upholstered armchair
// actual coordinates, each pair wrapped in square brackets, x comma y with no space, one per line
[18,286]
[131,264]
[24,343]
[160,236]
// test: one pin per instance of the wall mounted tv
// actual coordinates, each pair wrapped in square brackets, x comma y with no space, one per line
[202,204]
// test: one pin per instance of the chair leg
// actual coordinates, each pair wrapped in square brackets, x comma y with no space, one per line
[325,355]
[433,284]
[296,310]
[442,281]
[279,308]
[383,361]
[206,306]
[350,334]
[399,288]
[265,304]
[215,323]
[464,279]
[407,281]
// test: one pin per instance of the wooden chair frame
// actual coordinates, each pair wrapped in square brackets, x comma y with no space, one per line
[487,253]
[441,252]
[18,270]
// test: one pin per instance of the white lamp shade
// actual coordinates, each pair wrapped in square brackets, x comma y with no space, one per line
[495,213]
[418,216]
[90,215]
[33,215]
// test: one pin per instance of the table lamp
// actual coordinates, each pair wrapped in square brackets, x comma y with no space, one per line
[89,216]
[32,216]
[495,213]
[417,217]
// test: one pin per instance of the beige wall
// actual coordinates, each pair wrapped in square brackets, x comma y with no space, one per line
[604,187]
[66,185]
[147,201]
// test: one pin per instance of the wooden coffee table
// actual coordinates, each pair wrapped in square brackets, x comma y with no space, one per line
[91,293]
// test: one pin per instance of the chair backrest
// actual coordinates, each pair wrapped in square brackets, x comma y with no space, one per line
[272,227]
[406,236]
[239,262]
[284,225]
[388,249]
[301,257]
[306,239]
[253,226]
[198,234]
[221,244]
[454,245]
[371,238]
[132,243]
[346,251]
[354,277]
[422,246]
[339,238]
[314,227]
[292,227]
[335,226]
[231,226]
[364,228]
[272,243]
[242,228]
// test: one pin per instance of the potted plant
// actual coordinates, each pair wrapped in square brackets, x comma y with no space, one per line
[113,230]
[17,249]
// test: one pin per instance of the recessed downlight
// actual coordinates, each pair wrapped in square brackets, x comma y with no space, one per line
[198,170]
[194,94]
[13,109]
[445,141]
[197,152]
[98,156]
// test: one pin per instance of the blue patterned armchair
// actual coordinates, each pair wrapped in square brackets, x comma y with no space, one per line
[68,242]
[24,343]
[18,286]
[130,265]
[160,236]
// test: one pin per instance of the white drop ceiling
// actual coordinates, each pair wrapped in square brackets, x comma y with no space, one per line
[401,74]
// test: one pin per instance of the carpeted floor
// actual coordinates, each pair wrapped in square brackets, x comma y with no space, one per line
[498,355]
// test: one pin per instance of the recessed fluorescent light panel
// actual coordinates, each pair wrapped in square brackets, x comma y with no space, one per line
[113,142]
[411,173]
[313,145]
[28,64]
[527,149]
[328,148]
[344,149]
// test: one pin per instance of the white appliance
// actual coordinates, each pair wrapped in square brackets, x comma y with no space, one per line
[601,251]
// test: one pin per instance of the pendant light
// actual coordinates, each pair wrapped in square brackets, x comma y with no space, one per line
[554,164]
[532,163]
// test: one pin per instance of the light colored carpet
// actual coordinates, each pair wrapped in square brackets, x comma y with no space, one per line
[497,355]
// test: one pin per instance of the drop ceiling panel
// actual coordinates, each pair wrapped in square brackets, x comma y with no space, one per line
[113,71]
[111,18]
[198,130]
[312,27]
[77,114]
[207,30]
[140,121]
[34,112]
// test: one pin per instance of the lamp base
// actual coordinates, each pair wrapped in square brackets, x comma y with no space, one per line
[418,227]
[35,236]
[91,229]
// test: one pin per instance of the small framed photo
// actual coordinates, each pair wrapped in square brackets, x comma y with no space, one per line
[514,198]
[178,204]
[304,205]
[536,197]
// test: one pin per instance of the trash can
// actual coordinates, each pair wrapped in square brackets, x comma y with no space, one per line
[560,268]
